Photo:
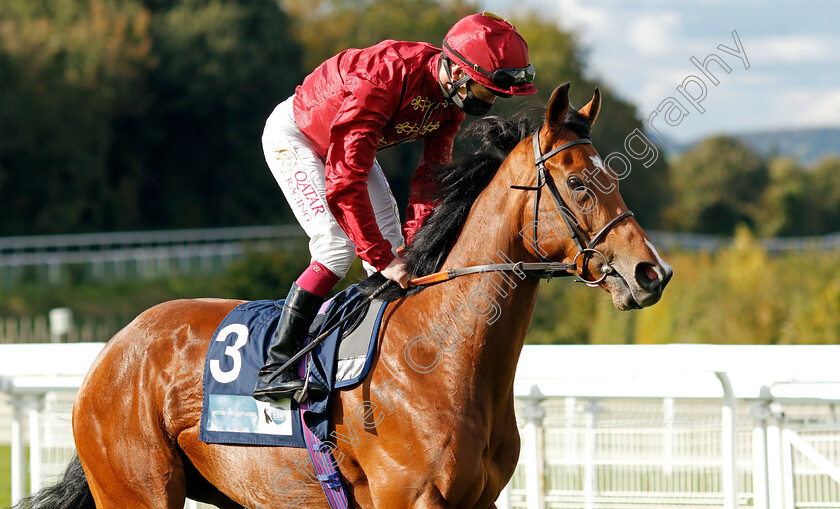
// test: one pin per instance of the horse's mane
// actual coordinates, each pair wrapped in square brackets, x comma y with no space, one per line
[458,185]
[577,123]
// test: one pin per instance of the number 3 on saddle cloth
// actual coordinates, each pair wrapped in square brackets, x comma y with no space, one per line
[230,415]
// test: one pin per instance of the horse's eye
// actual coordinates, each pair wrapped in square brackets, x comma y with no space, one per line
[574,182]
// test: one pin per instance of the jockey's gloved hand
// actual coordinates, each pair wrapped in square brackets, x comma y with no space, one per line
[397,271]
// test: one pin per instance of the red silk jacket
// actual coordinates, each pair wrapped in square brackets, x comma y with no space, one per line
[364,100]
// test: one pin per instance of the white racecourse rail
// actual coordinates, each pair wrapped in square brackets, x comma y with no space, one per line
[664,426]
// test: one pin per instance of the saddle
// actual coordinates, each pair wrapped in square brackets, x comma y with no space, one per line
[230,415]
[357,336]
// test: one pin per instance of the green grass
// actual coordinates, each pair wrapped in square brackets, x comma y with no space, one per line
[6,475]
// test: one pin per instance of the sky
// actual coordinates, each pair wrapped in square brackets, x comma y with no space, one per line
[642,50]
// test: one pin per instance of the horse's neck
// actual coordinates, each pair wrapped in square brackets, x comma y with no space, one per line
[494,308]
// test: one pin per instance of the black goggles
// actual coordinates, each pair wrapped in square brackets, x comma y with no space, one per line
[502,78]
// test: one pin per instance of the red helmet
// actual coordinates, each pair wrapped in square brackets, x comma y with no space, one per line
[492,53]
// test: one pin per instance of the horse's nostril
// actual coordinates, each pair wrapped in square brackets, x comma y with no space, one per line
[647,277]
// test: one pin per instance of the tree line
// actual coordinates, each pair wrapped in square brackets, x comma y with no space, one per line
[739,295]
[147,114]
[721,183]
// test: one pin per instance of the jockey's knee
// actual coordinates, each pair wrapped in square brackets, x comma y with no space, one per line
[337,256]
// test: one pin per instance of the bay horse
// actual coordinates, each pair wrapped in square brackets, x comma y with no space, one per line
[432,425]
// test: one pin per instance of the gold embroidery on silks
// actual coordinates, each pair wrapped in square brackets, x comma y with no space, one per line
[424,103]
[405,127]
[421,103]
[429,128]
[414,130]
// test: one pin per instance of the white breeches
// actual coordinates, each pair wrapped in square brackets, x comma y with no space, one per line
[299,171]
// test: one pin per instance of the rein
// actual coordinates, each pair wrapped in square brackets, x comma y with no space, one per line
[545,269]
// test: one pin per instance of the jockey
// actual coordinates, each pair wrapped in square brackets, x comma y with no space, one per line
[321,143]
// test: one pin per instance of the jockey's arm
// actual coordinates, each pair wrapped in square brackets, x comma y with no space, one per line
[421,199]
[354,135]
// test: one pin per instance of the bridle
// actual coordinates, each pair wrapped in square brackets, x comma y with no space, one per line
[577,233]
[546,269]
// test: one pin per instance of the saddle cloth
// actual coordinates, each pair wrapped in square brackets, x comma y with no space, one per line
[238,349]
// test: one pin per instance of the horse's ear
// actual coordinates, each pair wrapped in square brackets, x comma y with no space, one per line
[590,111]
[558,105]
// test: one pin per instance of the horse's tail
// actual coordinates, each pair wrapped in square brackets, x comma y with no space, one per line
[71,492]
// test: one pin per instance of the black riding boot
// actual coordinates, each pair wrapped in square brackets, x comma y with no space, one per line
[299,310]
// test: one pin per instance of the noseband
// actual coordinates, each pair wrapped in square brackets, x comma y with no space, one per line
[545,269]
[585,246]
